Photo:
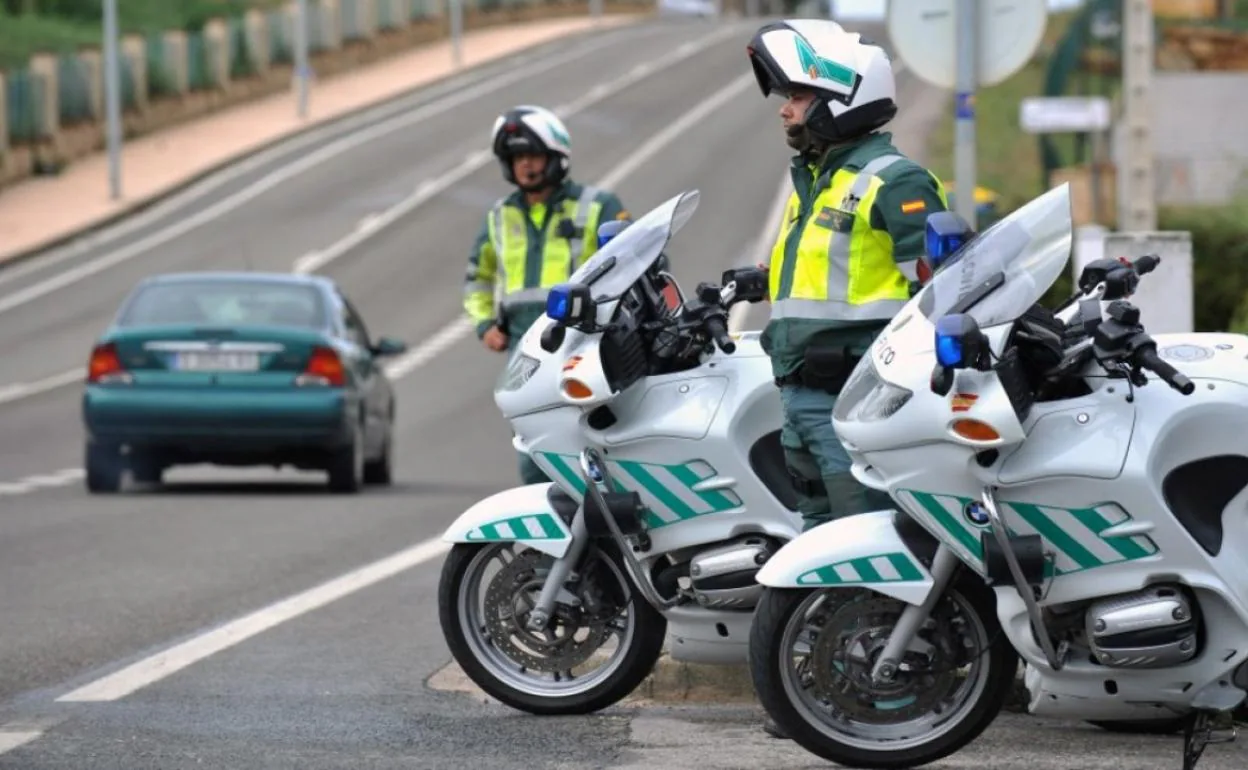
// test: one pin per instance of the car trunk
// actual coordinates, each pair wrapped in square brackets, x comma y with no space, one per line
[246,357]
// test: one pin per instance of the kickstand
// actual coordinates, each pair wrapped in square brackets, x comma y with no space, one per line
[1198,734]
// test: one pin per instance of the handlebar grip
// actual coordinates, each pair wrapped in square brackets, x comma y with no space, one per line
[1149,359]
[719,333]
[1146,264]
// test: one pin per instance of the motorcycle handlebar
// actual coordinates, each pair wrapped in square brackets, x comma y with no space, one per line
[719,333]
[1148,359]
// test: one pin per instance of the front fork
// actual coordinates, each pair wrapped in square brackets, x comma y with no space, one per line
[944,565]
[597,479]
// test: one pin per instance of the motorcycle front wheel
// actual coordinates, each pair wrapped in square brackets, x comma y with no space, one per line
[602,640]
[811,655]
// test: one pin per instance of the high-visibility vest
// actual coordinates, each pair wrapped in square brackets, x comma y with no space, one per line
[844,269]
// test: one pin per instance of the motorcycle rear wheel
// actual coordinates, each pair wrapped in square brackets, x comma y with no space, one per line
[512,665]
[870,738]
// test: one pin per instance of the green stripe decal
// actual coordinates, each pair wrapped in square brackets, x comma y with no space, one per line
[1074,534]
[656,489]
[950,525]
[905,568]
[1056,535]
[685,475]
[549,527]
[1126,546]
[866,571]
[561,467]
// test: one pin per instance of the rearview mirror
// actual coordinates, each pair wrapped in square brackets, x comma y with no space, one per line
[388,346]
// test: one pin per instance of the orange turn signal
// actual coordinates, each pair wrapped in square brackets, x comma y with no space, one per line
[577,389]
[974,430]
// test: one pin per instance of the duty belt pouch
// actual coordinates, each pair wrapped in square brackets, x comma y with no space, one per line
[827,368]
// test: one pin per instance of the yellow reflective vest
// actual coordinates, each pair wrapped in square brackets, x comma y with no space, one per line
[845,256]
[521,251]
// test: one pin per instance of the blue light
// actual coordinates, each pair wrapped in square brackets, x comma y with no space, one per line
[558,303]
[948,350]
[940,246]
[609,230]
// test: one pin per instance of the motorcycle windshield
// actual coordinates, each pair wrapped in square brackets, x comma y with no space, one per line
[616,267]
[1006,268]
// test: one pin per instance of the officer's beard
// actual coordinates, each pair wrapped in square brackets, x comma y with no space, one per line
[807,145]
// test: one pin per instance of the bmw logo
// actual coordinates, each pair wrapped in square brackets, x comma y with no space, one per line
[976,514]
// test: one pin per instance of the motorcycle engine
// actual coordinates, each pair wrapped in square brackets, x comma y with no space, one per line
[723,578]
[1152,628]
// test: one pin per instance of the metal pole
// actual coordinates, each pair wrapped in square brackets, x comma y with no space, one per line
[595,9]
[457,32]
[112,97]
[303,70]
[1137,193]
[967,38]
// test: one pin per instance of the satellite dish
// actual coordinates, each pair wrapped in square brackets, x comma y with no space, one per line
[923,35]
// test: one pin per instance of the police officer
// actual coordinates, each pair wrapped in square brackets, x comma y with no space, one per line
[533,238]
[845,259]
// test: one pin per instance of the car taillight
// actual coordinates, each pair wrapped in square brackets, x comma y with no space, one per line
[105,365]
[324,368]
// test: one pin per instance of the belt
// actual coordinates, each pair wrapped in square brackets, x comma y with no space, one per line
[792,378]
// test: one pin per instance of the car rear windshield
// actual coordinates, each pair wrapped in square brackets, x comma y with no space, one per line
[225,302]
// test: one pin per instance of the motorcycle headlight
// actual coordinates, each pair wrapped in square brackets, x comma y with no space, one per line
[867,398]
[519,371]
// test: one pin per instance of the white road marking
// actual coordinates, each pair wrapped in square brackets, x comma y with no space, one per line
[155,667]
[12,739]
[315,260]
[759,251]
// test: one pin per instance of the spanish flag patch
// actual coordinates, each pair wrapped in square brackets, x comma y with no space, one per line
[909,207]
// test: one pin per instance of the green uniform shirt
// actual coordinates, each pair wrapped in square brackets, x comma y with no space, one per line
[895,210]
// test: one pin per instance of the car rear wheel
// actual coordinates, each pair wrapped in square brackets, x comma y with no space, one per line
[103,467]
[346,465]
[378,471]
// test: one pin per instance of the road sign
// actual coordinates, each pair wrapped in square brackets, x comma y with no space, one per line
[1060,114]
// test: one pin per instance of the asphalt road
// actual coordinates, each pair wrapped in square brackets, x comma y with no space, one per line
[91,585]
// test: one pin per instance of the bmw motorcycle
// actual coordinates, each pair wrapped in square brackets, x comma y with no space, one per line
[661,433]
[1066,496]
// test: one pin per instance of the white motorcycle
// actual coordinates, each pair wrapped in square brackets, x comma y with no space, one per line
[670,489]
[1067,496]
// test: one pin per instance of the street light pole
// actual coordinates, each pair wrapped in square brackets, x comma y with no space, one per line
[112,97]
[302,69]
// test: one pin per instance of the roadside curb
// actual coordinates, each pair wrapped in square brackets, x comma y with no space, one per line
[145,203]
[675,682]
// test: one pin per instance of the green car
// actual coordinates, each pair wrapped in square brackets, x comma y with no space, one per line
[238,369]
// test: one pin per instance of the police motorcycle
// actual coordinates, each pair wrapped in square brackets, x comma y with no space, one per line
[661,433]
[1066,496]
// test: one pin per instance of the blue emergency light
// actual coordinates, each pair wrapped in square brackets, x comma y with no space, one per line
[570,303]
[608,230]
[944,233]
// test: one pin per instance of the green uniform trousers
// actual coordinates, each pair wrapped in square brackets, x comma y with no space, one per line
[818,462]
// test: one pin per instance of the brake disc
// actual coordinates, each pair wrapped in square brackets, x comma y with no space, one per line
[509,599]
[850,641]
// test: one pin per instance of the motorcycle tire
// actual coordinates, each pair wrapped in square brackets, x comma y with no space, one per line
[768,631]
[636,662]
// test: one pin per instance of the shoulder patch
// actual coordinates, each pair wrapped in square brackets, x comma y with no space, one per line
[910,207]
[623,214]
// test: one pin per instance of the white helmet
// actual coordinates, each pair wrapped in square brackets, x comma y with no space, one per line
[852,78]
[527,128]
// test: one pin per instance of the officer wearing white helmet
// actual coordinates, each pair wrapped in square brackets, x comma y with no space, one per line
[845,259]
[533,238]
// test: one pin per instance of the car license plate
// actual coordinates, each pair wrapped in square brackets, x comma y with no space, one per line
[229,361]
